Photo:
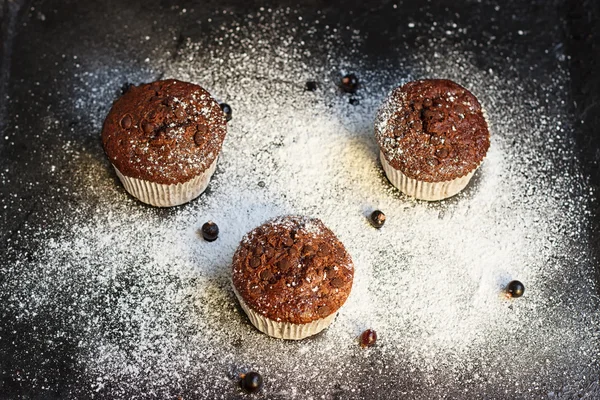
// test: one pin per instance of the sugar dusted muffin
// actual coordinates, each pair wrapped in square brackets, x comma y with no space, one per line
[291,276]
[432,136]
[163,139]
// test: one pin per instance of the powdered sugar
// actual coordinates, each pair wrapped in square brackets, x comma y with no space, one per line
[152,301]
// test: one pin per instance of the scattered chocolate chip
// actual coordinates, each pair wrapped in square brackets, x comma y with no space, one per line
[293,252]
[354,101]
[377,219]
[288,241]
[433,115]
[199,139]
[309,250]
[442,152]
[256,290]
[266,275]
[269,252]
[273,241]
[243,253]
[284,265]
[515,289]
[227,111]
[418,125]
[200,135]
[324,250]
[162,109]
[148,127]
[251,382]
[368,338]
[427,102]
[162,140]
[432,161]
[261,184]
[323,311]
[180,112]
[435,140]
[210,231]
[336,282]
[310,86]
[126,121]
[255,262]
[317,262]
[330,272]
[349,83]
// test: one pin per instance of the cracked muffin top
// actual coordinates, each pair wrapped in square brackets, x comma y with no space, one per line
[166,132]
[432,130]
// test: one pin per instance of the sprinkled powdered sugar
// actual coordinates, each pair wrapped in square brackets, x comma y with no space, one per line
[152,304]
[283,224]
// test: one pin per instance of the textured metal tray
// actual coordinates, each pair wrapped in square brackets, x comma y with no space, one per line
[46,47]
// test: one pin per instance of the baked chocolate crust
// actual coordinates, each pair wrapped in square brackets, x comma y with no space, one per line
[293,269]
[432,130]
[165,132]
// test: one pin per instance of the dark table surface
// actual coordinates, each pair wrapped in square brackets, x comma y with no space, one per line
[39,40]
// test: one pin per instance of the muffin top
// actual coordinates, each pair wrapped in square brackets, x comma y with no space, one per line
[432,130]
[293,269]
[166,132]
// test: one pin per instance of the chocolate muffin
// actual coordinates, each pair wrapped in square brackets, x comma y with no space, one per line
[163,139]
[432,136]
[291,275]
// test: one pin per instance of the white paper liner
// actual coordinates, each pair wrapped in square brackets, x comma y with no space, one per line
[284,330]
[161,195]
[430,191]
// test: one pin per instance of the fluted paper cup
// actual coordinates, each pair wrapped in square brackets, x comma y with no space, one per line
[161,195]
[284,330]
[430,191]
